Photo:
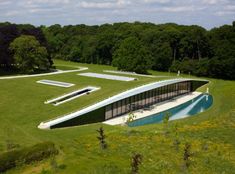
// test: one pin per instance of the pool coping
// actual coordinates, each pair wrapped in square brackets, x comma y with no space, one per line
[160,107]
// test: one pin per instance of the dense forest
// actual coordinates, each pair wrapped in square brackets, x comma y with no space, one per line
[135,46]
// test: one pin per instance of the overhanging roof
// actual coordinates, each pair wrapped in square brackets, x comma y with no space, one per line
[123,95]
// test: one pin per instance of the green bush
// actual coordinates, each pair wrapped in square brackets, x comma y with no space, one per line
[26,155]
[185,66]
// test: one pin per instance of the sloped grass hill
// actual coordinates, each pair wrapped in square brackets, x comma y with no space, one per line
[210,134]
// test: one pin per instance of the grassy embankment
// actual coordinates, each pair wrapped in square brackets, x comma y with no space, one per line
[211,134]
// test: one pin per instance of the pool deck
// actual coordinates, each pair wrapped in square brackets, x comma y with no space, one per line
[156,109]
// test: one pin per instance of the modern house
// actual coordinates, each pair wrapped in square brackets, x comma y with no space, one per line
[128,101]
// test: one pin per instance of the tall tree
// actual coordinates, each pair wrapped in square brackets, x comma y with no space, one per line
[162,57]
[8,32]
[174,39]
[132,55]
[29,55]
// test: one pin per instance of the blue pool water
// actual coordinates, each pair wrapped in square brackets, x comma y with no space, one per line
[190,108]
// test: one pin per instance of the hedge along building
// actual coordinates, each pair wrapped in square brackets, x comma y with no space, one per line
[128,101]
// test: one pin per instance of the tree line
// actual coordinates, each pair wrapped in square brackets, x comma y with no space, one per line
[141,46]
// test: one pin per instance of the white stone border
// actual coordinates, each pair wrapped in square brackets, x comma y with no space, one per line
[44,74]
[55,83]
[107,76]
[92,89]
[133,73]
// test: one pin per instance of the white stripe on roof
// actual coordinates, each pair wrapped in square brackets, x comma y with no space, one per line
[108,76]
[113,99]
[131,73]
[56,83]
[44,74]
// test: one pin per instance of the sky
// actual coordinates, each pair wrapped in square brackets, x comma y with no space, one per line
[206,13]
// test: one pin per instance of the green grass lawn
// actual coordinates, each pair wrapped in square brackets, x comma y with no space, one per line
[211,134]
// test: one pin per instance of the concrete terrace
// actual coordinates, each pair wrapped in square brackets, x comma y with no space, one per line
[156,109]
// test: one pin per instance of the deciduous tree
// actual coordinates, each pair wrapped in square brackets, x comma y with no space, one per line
[29,55]
[132,55]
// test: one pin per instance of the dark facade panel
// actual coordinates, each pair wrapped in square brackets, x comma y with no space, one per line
[197,84]
[91,117]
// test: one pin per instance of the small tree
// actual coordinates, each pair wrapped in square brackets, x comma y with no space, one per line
[166,121]
[101,138]
[187,154]
[176,141]
[53,164]
[135,162]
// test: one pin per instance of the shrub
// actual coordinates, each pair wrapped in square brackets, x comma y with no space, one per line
[10,145]
[187,155]
[185,66]
[26,155]
[131,117]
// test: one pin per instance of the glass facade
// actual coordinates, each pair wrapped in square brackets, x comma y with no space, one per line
[146,99]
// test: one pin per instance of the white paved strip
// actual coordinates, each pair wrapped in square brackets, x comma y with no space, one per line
[157,109]
[72,94]
[56,83]
[44,74]
[109,77]
[133,73]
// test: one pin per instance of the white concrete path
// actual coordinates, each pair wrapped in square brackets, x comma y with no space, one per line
[133,73]
[44,74]
[55,83]
[157,109]
[108,76]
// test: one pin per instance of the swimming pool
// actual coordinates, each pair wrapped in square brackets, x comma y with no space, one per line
[190,108]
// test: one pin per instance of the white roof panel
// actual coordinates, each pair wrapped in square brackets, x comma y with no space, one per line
[107,76]
[55,83]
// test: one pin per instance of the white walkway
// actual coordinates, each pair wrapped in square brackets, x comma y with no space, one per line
[133,73]
[107,76]
[44,74]
[157,108]
[56,83]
